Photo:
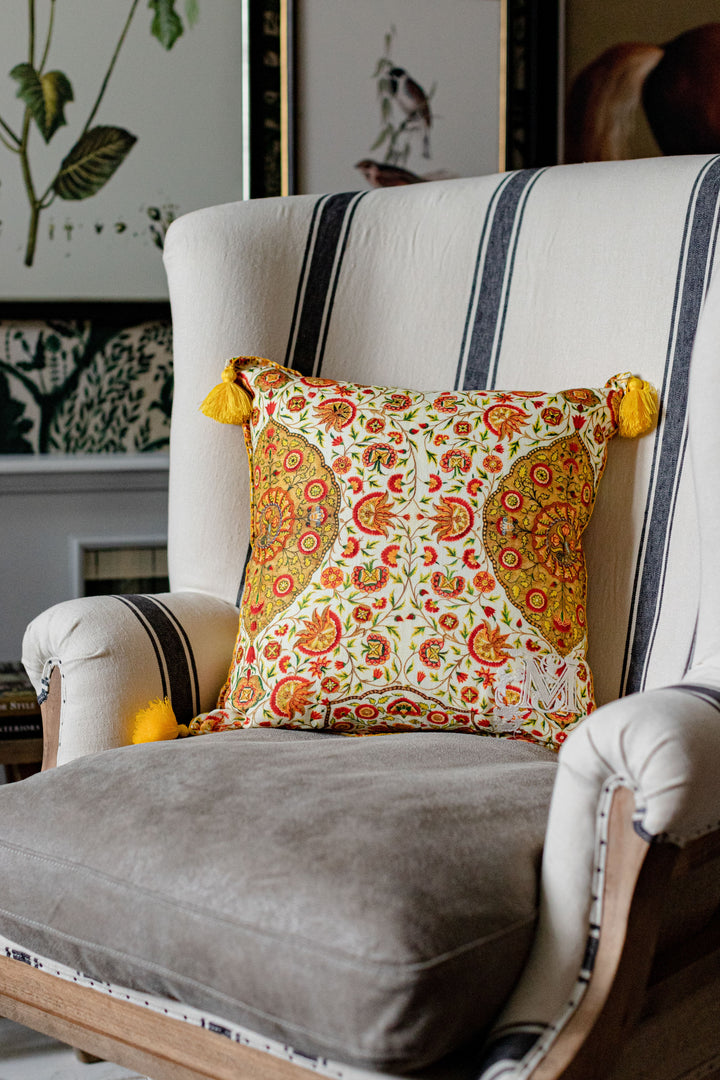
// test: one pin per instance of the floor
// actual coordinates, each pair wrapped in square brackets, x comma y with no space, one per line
[26,1055]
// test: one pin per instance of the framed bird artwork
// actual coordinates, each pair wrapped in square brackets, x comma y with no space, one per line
[394,92]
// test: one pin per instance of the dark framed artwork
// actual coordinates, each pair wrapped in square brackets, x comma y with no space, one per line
[85,332]
[332,85]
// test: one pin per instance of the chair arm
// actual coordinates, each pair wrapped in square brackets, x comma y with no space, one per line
[110,655]
[661,745]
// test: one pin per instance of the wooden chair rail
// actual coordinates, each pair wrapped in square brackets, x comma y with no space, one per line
[158,1046]
[635,878]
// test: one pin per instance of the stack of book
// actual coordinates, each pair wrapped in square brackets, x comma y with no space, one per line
[20,723]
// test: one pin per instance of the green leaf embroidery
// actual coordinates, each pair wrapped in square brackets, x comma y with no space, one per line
[92,161]
[166,25]
[45,96]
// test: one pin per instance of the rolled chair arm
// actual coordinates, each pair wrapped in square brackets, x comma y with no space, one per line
[97,660]
[661,748]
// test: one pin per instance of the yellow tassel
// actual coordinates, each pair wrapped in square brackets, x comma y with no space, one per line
[157,722]
[638,409]
[228,402]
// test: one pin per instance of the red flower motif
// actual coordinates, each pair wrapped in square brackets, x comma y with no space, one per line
[449,587]
[505,420]
[376,649]
[375,425]
[389,555]
[369,579]
[484,582]
[469,557]
[488,646]
[430,652]
[320,633]
[335,413]
[456,460]
[492,463]
[445,403]
[429,555]
[453,518]
[331,577]
[435,482]
[395,483]
[397,402]
[291,697]
[373,513]
[379,456]
[552,416]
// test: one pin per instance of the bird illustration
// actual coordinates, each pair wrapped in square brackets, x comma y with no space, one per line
[413,101]
[378,174]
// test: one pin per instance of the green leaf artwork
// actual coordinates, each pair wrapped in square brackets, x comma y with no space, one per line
[92,161]
[166,25]
[46,95]
[85,386]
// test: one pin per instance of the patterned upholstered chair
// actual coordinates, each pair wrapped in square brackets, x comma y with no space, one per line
[280,900]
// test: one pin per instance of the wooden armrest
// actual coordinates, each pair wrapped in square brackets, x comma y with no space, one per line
[50,712]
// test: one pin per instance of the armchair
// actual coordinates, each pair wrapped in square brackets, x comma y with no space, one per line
[267,902]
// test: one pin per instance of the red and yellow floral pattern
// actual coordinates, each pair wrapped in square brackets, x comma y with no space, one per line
[417,558]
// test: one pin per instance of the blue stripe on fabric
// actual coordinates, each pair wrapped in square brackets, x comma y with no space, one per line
[699,238]
[301,281]
[172,651]
[153,641]
[336,278]
[480,350]
[190,655]
[319,271]
[474,293]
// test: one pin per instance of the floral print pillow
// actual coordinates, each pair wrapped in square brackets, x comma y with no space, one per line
[416,558]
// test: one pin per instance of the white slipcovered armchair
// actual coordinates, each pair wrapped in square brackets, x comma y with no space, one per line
[266,900]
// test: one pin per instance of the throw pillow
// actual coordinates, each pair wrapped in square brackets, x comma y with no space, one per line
[416,557]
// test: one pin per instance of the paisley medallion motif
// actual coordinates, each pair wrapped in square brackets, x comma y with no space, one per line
[296,501]
[533,524]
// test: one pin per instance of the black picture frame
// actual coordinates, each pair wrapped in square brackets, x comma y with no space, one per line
[532,66]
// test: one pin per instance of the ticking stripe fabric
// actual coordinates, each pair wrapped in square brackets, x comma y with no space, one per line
[543,278]
[116,653]
[173,649]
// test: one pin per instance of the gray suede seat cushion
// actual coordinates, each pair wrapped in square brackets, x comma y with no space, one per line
[367,899]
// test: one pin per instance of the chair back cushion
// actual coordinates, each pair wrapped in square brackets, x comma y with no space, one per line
[547,279]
